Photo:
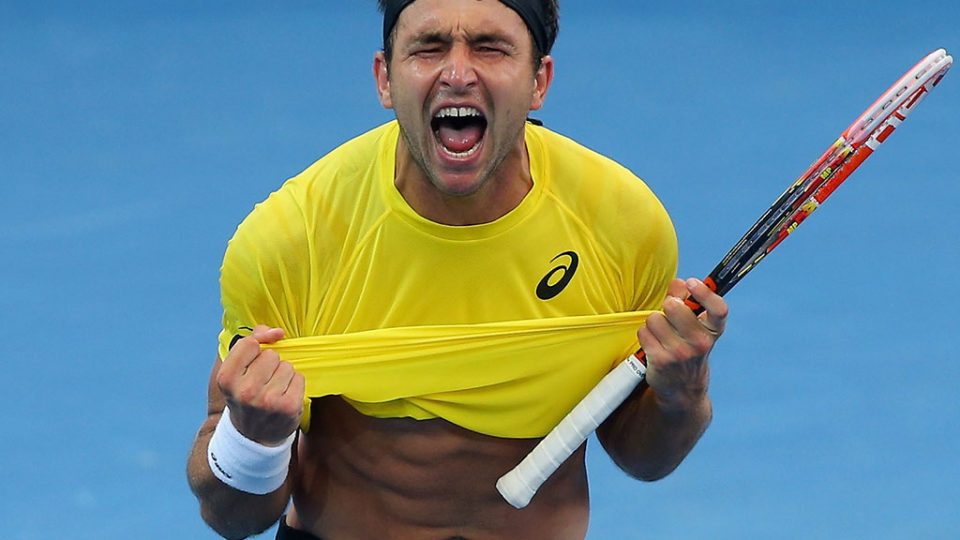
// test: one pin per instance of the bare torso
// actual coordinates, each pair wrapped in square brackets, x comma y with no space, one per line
[360,478]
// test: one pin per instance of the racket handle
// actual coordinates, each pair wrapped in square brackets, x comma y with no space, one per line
[520,484]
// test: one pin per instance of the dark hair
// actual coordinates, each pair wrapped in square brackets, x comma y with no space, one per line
[550,7]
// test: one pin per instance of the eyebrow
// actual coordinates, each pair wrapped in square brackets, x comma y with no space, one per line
[484,38]
[491,37]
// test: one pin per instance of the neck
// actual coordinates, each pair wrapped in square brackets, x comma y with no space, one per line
[501,193]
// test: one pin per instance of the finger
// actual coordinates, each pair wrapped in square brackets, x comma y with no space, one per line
[661,358]
[666,336]
[246,350]
[281,378]
[677,288]
[297,390]
[266,334]
[714,317]
[688,337]
[277,399]
[239,358]
[679,315]
[674,364]
[261,370]
[298,386]
[289,402]
[648,340]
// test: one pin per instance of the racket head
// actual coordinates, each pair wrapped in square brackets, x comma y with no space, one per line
[929,70]
[825,174]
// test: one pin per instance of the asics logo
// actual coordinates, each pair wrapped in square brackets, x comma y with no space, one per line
[550,286]
[238,337]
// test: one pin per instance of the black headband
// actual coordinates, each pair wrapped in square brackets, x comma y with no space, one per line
[531,11]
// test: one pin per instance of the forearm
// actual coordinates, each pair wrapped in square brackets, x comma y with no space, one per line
[228,511]
[649,437]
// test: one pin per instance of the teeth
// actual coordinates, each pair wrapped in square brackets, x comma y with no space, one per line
[457,112]
[461,155]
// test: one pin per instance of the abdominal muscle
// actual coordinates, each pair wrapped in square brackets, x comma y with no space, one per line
[360,478]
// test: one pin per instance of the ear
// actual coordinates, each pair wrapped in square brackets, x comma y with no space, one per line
[542,80]
[382,77]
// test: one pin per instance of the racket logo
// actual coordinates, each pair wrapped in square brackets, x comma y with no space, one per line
[547,290]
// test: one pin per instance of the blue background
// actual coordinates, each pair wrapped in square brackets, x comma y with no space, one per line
[134,136]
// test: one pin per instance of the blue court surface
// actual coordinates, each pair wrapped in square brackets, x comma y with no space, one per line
[134,136]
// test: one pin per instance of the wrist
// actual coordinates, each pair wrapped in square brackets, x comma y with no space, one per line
[244,464]
[683,402]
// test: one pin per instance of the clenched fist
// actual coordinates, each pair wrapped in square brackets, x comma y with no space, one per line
[678,342]
[264,393]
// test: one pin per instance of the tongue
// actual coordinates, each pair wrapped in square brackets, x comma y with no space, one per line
[460,140]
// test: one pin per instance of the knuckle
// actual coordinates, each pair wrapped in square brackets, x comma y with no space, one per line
[656,321]
[240,350]
[659,357]
[269,402]
[292,408]
[684,350]
[300,384]
[701,345]
[247,394]
[227,381]
[643,335]
[671,306]
[284,368]
[270,356]
[263,365]
[654,361]
[243,347]
[281,406]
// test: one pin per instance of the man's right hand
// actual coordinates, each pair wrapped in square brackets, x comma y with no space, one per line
[264,393]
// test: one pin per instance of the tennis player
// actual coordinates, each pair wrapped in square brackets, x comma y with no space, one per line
[460,214]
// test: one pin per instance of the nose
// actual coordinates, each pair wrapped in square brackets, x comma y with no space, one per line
[458,72]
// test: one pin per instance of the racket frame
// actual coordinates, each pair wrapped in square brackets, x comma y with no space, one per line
[803,197]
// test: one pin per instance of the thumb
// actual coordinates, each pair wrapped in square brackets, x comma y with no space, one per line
[265,334]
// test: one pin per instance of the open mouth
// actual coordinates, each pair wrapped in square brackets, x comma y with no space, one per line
[459,130]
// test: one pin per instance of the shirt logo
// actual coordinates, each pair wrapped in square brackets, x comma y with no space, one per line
[238,337]
[547,290]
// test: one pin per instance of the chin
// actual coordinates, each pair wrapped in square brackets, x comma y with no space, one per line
[457,187]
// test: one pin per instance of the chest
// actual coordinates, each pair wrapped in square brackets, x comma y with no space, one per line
[399,276]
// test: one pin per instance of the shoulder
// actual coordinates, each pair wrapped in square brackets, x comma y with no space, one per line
[597,189]
[570,165]
[625,218]
[357,158]
[280,259]
[336,179]
[358,151]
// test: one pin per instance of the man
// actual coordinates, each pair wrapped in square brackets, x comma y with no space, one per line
[445,217]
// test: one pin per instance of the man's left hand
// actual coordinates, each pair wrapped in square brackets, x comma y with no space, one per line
[677,344]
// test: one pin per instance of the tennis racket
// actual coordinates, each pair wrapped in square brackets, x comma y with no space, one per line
[811,189]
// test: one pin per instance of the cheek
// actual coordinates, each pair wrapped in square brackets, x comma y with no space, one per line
[409,92]
[513,106]
[518,92]
[400,95]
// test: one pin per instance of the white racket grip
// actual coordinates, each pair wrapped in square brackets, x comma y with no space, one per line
[520,484]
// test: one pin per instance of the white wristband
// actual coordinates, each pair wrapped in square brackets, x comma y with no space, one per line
[244,464]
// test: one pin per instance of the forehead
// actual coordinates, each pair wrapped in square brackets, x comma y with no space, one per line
[471,17]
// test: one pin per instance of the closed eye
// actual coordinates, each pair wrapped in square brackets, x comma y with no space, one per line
[427,51]
[491,50]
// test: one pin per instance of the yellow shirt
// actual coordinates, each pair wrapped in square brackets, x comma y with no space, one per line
[500,328]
